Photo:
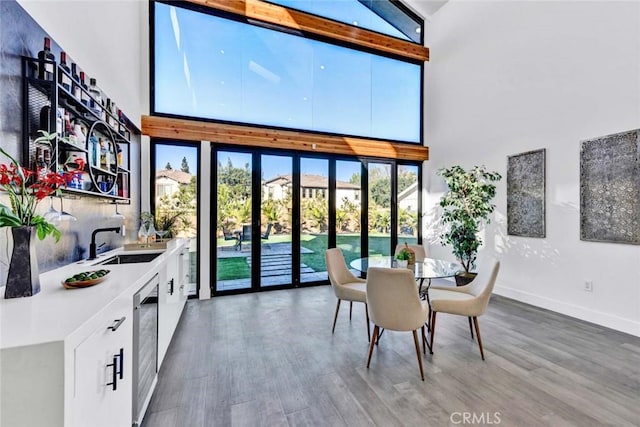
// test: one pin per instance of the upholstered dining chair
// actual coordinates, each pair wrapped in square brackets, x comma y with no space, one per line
[419,250]
[470,300]
[394,304]
[345,285]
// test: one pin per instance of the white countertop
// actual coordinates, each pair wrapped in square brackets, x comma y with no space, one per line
[56,312]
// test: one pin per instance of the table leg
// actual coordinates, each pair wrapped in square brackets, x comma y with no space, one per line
[426,294]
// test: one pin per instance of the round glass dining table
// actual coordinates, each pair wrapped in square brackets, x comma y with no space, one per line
[430,268]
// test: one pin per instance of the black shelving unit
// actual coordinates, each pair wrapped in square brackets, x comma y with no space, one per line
[107,169]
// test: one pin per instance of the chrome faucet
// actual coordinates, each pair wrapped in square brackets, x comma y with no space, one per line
[92,247]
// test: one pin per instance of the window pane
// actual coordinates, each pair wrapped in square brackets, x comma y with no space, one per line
[407,204]
[276,219]
[214,68]
[233,232]
[348,189]
[379,209]
[176,199]
[314,219]
[380,16]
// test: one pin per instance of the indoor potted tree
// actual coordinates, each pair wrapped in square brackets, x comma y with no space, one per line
[466,206]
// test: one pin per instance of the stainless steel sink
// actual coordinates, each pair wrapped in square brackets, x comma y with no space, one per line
[130,259]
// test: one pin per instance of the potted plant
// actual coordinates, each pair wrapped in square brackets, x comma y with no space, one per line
[25,189]
[402,258]
[467,205]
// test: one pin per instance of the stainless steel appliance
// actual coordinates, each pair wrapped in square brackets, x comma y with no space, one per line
[145,347]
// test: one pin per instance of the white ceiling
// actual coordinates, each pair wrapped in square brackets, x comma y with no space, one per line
[426,7]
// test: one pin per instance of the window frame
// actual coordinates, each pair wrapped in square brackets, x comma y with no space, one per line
[306,35]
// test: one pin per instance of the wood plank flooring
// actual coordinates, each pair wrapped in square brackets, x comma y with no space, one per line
[269,359]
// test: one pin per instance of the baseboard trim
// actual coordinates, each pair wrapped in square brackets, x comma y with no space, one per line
[599,318]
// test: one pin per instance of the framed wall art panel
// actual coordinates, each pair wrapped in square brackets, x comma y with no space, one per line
[526,194]
[610,188]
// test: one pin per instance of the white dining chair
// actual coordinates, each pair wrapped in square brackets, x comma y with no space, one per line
[345,285]
[394,304]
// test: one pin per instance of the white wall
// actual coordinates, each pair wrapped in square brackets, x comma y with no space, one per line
[508,77]
[108,40]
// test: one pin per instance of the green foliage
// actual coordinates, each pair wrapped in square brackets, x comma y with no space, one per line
[271,211]
[407,218]
[405,179]
[234,196]
[466,206]
[380,220]
[176,213]
[403,255]
[44,228]
[184,167]
[315,213]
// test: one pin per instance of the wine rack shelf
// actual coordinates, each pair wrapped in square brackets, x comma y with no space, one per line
[88,132]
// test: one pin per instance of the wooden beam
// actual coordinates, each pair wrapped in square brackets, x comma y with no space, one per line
[248,136]
[274,14]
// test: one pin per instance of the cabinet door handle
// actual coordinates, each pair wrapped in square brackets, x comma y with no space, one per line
[170,283]
[121,356]
[117,323]
[114,374]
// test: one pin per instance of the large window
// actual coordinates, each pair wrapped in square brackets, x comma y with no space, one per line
[382,16]
[210,67]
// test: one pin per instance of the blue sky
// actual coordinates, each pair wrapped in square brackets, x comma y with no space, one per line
[211,67]
[174,154]
[272,166]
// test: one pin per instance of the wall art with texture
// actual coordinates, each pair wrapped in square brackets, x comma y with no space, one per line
[610,188]
[526,194]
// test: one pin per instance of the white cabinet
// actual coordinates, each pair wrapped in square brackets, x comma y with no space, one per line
[171,299]
[66,356]
[103,371]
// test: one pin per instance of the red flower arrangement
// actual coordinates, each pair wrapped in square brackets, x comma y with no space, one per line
[26,188]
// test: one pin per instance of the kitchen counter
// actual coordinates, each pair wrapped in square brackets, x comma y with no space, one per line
[56,313]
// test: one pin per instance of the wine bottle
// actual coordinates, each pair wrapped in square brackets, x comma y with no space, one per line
[45,118]
[96,102]
[60,121]
[84,97]
[46,61]
[121,126]
[64,78]
[68,129]
[75,80]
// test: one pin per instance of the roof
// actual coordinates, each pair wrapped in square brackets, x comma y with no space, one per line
[176,175]
[312,181]
[408,191]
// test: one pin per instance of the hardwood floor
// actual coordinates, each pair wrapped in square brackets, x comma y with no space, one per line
[269,359]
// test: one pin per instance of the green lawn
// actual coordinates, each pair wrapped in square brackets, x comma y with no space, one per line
[237,268]
[233,268]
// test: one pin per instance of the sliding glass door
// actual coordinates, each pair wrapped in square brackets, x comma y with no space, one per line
[408,190]
[233,183]
[379,215]
[277,214]
[349,208]
[276,221]
[314,218]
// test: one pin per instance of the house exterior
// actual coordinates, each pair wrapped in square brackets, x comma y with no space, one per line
[168,182]
[408,198]
[311,187]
